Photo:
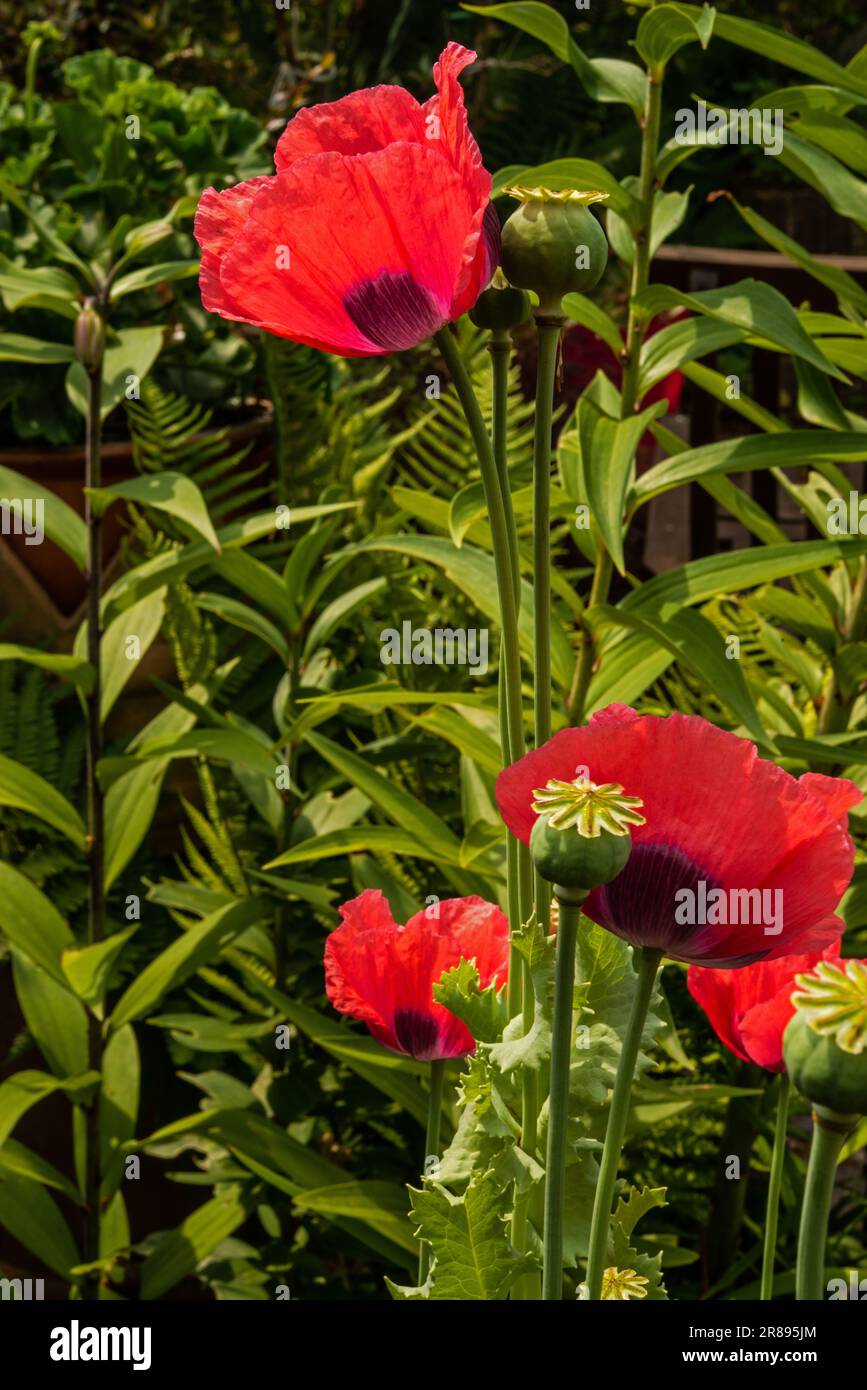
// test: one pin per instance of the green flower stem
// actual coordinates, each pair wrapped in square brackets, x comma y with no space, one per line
[830,1132]
[558,1096]
[95,806]
[774,1184]
[512,743]
[584,665]
[431,1146]
[527,1287]
[642,235]
[500,532]
[548,337]
[631,358]
[500,349]
[648,964]
[519,872]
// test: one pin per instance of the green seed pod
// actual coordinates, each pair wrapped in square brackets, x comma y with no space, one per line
[581,839]
[552,244]
[825,1044]
[562,856]
[501,306]
[822,1071]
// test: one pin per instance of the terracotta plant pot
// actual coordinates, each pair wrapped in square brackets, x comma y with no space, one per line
[42,590]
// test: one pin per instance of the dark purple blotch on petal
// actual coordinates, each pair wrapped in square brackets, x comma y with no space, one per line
[393,310]
[641,905]
[417,1033]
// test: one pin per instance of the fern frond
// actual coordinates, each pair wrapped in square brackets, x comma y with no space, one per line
[170,433]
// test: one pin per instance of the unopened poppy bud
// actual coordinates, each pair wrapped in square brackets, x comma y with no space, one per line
[553,245]
[89,337]
[501,306]
[581,838]
[825,1044]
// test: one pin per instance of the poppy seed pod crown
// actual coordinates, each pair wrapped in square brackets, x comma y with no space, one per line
[552,244]
[825,1045]
[581,838]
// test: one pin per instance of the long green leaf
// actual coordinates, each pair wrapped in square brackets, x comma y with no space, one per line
[27,791]
[26,1088]
[779,47]
[603,79]
[664,31]
[75,669]
[399,805]
[15,347]
[740,569]
[789,449]
[473,572]
[184,957]
[179,1253]
[172,493]
[31,922]
[750,305]
[173,565]
[608,458]
[62,525]
[31,1216]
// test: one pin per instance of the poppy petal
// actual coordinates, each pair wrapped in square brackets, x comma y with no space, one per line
[361,123]
[220,217]
[383,974]
[716,814]
[750,1008]
[374,246]
[448,105]
[714,990]
[837,794]
[356,977]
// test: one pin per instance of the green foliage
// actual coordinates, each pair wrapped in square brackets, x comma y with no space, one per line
[292,770]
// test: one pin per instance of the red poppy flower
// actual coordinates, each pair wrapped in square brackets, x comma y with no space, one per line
[750,1008]
[384,973]
[729,838]
[376,230]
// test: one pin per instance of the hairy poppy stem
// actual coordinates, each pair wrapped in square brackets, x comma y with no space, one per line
[774,1185]
[512,741]
[505,555]
[830,1132]
[519,872]
[558,1096]
[630,394]
[95,804]
[621,1098]
[431,1146]
[548,331]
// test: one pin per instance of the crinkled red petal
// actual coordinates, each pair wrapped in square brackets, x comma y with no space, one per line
[750,1008]
[344,221]
[741,821]
[361,123]
[220,217]
[377,971]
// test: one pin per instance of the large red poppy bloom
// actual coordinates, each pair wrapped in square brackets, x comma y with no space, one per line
[718,817]
[384,973]
[749,1009]
[376,230]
